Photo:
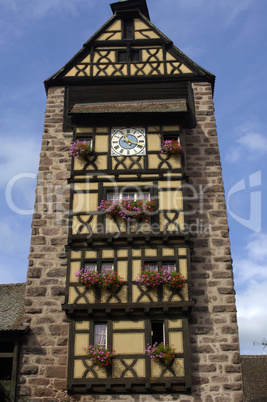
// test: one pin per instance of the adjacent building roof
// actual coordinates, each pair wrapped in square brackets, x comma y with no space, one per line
[155,106]
[254,371]
[12,307]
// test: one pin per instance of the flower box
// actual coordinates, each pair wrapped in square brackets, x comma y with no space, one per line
[152,279]
[80,149]
[102,280]
[128,209]
[171,147]
[161,353]
[100,355]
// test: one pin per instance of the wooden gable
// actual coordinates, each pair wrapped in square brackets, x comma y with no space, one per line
[128,46]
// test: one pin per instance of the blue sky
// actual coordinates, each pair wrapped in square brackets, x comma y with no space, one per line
[226,37]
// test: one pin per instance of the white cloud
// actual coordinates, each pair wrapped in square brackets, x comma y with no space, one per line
[250,143]
[250,267]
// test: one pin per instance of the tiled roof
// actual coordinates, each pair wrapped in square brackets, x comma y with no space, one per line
[155,106]
[254,372]
[11,307]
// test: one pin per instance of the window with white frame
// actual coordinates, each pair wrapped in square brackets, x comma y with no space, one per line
[100,334]
[128,196]
[94,267]
[151,266]
[170,267]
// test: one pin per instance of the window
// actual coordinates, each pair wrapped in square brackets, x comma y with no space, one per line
[154,266]
[100,334]
[128,196]
[157,332]
[86,140]
[133,56]
[170,267]
[128,29]
[151,266]
[102,267]
[171,135]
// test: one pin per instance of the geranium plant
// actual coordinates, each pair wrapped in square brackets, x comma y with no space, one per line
[161,352]
[174,280]
[100,355]
[152,279]
[128,209]
[81,148]
[101,280]
[171,147]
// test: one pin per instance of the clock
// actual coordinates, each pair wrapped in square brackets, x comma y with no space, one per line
[128,141]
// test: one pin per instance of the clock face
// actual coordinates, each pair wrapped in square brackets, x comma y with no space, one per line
[128,141]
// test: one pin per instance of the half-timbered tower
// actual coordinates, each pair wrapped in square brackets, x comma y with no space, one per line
[130,243]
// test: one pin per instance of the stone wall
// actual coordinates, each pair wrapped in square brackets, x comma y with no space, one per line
[216,369]
[44,353]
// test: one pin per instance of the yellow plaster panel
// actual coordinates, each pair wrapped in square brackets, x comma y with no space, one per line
[111,226]
[116,26]
[108,254]
[73,295]
[85,186]
[150,34]
[156,370]
[75,266]
[105,295]
[136,293]
[118,368]
[167,293]
[136,253]
[123,253]
[82,325]
[79,369]
[176,340]
[76,254]
[168,252]
[104,56]
[107,36]
[90,254]
[170,200]
[182,251]
[153,142]
[128,325]
[76,224]
[185,69]
[169,57]
[139,24]
[154,129]
[171,66]
[151,252]
[122,267]
[101,163]
[178,366]
[136,269]
[71,73]
[85,202]
[183,268]
[79,163]
[175,162]
[81,341]
[81,130]
[128,162]
[170,183]
[101,143]
[153,161]
[129,343]
[171,128]
[102,130]
[87,59]
[175,324]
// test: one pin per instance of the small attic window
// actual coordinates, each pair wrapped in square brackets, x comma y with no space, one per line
[128,29]
[134,55]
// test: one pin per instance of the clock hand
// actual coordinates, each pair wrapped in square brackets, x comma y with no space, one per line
[126,139]
[133,142]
